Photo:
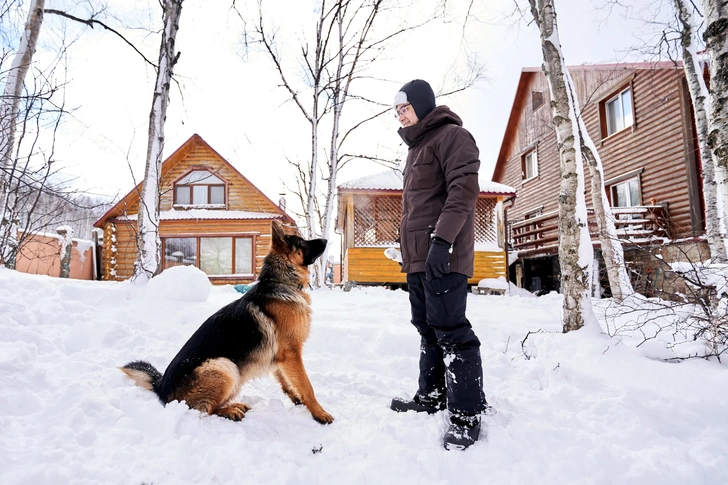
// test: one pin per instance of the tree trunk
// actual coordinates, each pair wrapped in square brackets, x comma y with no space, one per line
[701,106]
[66,244]
[149,243]
[9,109]
[612,249]
[716,36]
[575,250]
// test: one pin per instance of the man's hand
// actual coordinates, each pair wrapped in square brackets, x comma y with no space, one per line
[437,263]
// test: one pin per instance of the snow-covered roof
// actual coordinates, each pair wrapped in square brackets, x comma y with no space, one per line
[392,180]
[197,214]
[387,180]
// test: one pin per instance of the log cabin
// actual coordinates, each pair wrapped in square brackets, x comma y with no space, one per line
[640,117]
[211,217]
[369,212]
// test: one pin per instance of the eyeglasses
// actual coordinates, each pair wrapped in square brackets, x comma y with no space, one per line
[401,111]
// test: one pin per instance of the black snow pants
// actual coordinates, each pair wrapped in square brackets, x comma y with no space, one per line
[450,363]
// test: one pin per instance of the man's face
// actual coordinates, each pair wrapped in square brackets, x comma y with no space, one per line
[406,115]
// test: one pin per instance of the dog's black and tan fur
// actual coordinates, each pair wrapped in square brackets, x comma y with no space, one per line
[261,332]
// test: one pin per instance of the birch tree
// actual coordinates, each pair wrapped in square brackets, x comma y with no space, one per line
[575,249]
[716,41]
[149,246]
[348,38]
[715,225]
[9,110]
[612,249]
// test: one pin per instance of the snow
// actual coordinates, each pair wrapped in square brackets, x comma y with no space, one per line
[578,408]
[392,180]
[707,274]
[180,283]
[197,214]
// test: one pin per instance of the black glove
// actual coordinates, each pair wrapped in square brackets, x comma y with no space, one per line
[437,263]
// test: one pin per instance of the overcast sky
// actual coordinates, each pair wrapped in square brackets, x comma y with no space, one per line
[237,106]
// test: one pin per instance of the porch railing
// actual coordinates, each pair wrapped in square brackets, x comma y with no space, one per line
[634,225]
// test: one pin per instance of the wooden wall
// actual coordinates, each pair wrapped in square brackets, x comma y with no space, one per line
[369,265]
[659,142]
[125,245]
[241,194]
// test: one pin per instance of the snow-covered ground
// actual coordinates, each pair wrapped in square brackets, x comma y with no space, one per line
[580,408]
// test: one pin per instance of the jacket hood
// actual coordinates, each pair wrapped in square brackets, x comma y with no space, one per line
[442,115]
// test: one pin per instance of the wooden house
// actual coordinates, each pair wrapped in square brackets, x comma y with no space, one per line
[640,118]
[369,213]
[211,217]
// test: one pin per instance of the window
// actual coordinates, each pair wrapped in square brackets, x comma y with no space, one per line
[536,100]
[529,165]
[626,193]
[199,187]
[180,251]
[618,111]
[218,256]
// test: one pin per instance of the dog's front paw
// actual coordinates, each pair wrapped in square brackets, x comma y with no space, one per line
[323,417]
[235,411]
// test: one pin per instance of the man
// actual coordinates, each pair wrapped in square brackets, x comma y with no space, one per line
[437,243]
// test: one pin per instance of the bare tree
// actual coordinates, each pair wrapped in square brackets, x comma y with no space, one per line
[575,249]
[350,37]
[693,67]
[148,241]
[716,41]
[9,117]
[612,250]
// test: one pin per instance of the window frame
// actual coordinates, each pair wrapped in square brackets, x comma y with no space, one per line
[622,178]
[613,196]
[616,95]
[234,237]
[210,186]
[524,165]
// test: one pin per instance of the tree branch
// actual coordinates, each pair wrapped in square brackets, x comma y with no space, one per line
[92,22]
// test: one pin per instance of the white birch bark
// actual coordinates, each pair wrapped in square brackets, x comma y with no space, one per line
[149,244]
[612,250]
[344,75]
[716,41]
[700,98]
[9,109]
[576,254]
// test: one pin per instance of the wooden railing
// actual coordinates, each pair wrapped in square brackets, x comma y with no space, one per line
[634,225]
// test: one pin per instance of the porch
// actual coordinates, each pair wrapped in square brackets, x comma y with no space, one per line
[635,225]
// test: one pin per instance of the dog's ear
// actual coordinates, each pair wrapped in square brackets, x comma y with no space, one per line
[278,236]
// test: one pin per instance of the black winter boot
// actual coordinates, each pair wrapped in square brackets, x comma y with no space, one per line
[463,432]
[416,404]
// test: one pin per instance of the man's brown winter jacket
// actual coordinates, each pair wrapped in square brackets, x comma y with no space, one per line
[440,190]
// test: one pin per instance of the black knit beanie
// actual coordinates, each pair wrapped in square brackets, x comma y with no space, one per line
[419,94]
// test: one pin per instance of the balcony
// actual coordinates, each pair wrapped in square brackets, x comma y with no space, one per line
[634,225]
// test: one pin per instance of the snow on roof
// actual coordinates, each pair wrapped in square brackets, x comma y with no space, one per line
[387,180]
[196,214]
[491,187]
[392,180]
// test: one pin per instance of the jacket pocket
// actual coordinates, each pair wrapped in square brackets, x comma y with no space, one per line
[418,237]
[423,173]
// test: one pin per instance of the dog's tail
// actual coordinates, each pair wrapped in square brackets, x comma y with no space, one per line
[144,374]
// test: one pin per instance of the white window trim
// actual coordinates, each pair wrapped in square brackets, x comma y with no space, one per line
[626,182]
[618,97]
[525,165]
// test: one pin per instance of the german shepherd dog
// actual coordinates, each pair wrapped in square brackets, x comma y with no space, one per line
[263,331]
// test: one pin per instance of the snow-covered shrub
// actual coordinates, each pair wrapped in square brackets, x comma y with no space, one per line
[682,302]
